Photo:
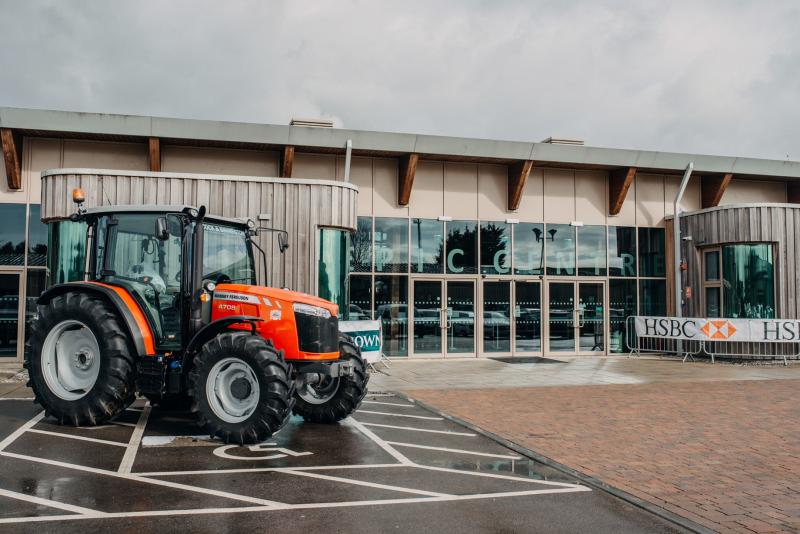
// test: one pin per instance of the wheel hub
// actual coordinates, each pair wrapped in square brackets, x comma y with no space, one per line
[83,359]
[232,390]
[241,388]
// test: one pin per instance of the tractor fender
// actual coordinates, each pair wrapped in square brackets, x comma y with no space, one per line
[213,328]
[109,295]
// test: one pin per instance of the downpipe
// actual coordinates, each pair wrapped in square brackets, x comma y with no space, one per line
[676,232]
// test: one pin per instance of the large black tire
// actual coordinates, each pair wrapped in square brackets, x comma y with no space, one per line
[276,388]
[114,389]
[349,394]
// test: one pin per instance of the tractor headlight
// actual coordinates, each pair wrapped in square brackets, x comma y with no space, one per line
[308,309]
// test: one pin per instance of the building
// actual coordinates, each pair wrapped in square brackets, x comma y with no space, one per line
[462,247]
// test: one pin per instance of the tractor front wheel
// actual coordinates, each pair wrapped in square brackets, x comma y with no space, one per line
[241,388]
[333,399]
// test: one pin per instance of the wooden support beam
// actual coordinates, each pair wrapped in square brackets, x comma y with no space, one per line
[12,156]
[712,188]
[793,192]
[517,176]
[405,178]
[154,146]
[619,181]
[287,161]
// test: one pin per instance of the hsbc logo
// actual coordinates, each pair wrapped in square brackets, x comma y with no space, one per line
[718,330]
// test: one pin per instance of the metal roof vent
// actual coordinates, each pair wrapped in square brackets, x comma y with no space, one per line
[315,123]
[563,141]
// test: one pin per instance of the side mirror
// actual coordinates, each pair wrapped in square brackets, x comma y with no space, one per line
[283,241]
[162,232]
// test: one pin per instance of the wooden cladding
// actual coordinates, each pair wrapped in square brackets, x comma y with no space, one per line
[154,154]
[287,161]
[619,181]
[517,176]
[405,178]
[12,155]
[712,188]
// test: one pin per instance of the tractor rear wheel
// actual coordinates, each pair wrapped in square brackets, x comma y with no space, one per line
[241,388]
[333,399]
[80,360]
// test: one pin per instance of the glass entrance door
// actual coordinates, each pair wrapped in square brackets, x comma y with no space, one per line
[576,317]
[443,318]
[9,315]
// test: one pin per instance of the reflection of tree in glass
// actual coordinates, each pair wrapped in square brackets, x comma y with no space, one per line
[464,239]
[493,240]
[361,247]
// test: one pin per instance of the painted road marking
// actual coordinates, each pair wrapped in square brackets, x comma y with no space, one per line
[503,477]
[378,441]
[17,398]
[262,470]
[356,482]
[133,444]
[279,452]
[47,502]
[411,428]
[389,404]
[21,430]
[75,436]
[458,451]
[403,415]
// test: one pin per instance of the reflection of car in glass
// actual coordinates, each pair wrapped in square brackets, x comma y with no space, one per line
[426,322]
[495,324]
[462,322]
[358,314]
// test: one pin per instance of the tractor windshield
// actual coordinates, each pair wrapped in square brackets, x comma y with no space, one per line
[227,256]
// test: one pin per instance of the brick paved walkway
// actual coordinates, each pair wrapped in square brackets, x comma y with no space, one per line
[723,454]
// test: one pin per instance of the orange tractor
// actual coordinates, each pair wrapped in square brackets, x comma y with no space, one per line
[169,307]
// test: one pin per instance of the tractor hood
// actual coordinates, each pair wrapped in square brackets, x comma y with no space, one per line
[283,295]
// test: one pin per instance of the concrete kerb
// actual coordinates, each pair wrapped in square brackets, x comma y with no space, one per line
[585,479]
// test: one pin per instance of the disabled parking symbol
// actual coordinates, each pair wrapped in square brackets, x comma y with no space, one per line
[273,452]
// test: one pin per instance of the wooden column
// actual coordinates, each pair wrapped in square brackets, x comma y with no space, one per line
[619,181]
[405,178]
[154,152]
[793,192]
[12,156]
[712,188]
[517,176]
[287,161]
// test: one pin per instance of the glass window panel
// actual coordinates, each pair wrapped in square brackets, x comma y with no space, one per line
[621,305]
[497,316]
[495,248]
[712,302]
[653,297]
[9,314]
[592,322]
[226,254]
[529,248]
[361,246]
[748,281]
[462,246]
[391,245]
[67,252]
[12,234]
[427,316]
[560,249]
[527,316]
[35,284]
[592,251]
[391,308]
[712,265]
[621,251]
[360,305]
[333,248]
[427,246]
[651,252]
[37,238]
[460,316]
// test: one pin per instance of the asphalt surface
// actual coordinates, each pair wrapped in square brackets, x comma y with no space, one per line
[393,466]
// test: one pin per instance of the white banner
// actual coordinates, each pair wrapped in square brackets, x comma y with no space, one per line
[704,329]
[366,335]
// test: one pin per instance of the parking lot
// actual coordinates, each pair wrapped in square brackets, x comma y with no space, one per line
[393,466]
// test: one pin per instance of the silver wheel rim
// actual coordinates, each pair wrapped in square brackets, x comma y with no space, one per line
[319,393]
[232,390]
[70,360]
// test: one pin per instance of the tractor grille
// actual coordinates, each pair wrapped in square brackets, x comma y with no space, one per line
[317,334]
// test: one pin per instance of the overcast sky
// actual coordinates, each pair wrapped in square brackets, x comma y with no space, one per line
[720,77]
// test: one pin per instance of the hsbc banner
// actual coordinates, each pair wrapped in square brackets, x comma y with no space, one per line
[703,329]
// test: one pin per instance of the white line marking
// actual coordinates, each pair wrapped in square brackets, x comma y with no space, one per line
[261,470]
[389,404]
[133,444]
[380,394]
[82,438]
[137,478]
[397,455]
[460,451]
[502,477]
[47,502]
[420,429]
[248,509]
[122,423]
[403,415]
[17,398]
[21,430]
[362,483]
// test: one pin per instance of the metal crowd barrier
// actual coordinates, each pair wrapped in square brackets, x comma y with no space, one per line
[743,350]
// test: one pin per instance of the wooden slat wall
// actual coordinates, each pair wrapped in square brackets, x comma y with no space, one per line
[778,224]
[297,206]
